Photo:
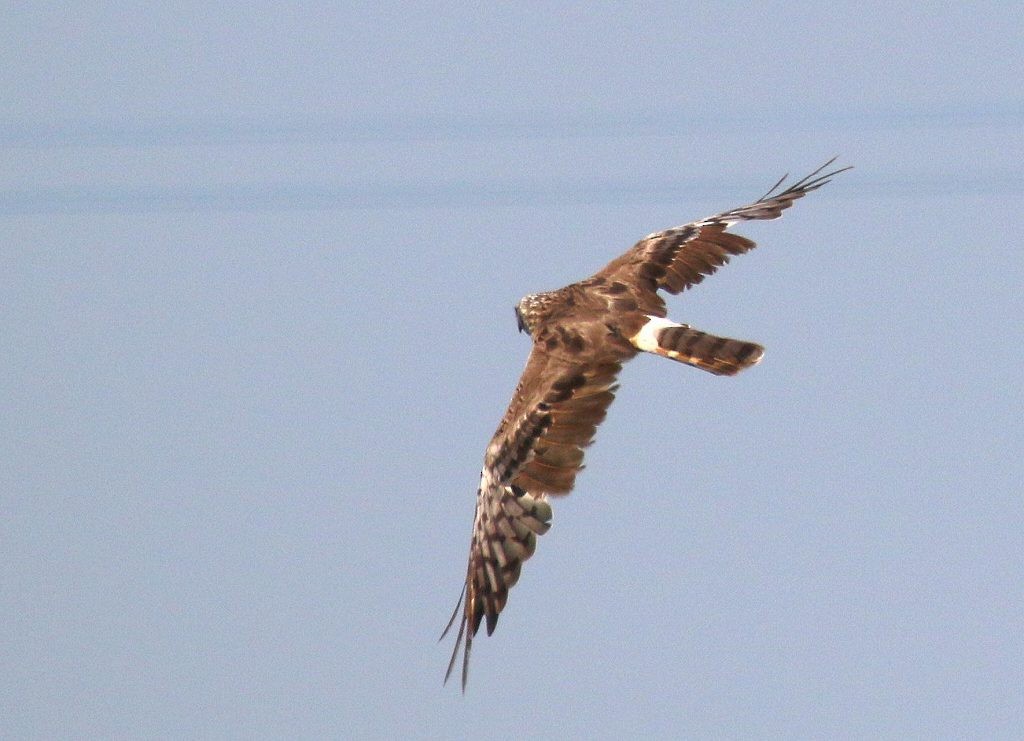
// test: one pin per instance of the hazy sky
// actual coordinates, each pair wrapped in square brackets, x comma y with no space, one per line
[257,271]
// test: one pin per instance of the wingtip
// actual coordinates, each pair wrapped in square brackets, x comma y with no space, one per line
[806,184]
[458,643]
[455,612]
[455,653]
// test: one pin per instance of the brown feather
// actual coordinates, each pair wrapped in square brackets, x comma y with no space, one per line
[582,335]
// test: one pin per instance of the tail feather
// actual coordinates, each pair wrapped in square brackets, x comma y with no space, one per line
[719,355]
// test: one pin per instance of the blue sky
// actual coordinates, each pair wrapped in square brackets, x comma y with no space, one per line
[258,271]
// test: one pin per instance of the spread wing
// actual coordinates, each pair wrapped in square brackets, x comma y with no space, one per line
[560,400]
[537,450]
[680,257]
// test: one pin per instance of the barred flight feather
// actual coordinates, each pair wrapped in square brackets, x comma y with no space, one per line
[582,334]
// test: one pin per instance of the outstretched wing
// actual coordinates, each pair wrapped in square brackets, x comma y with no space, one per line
[552,417]
[537,450]
[680,257]
[559,402]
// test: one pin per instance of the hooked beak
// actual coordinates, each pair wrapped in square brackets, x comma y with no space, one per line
[519,320]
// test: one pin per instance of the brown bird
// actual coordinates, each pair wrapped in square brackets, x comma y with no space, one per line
[582,334]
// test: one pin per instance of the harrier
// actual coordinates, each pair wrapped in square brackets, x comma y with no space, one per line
[582,334]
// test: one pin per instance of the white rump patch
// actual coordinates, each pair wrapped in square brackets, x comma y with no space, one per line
[647,338]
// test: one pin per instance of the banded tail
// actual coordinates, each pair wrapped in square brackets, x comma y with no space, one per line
[719,355]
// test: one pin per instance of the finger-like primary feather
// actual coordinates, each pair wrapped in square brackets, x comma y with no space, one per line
[582,334]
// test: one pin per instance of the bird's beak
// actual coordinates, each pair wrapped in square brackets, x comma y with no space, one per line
[519,320]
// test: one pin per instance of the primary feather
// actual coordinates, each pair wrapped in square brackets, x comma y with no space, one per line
[582,334]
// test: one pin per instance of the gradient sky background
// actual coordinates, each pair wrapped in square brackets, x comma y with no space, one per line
[257,271]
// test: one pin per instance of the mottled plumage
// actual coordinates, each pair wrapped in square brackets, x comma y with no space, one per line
[582,334]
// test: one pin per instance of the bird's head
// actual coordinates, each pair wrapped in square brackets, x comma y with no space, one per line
[529,311]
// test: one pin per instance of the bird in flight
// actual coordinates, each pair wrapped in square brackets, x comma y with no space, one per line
[582,334]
